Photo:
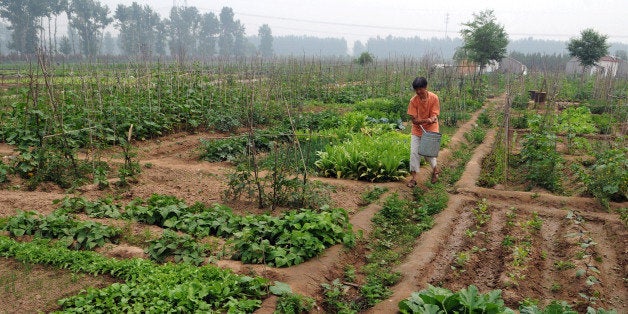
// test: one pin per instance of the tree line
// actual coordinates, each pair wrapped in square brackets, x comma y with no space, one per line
[188,33]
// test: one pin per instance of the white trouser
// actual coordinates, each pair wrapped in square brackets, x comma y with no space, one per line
[415,158]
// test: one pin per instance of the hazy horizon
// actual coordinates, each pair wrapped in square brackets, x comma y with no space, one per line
[360,20]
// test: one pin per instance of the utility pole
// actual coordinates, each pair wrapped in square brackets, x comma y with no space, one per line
[446,23]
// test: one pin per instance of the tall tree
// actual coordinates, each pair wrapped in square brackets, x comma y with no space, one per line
[183,28]
[108,44]
[358,48]
[266,41]
[589,48]
[231,40]
[226,40]
[65,46]
[23,15]
[484,39]
[208,34]
[89,18]
[56,8]
[139,28]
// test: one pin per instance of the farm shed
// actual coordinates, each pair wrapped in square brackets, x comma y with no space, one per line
[607,65]
[510,65]
[466,67]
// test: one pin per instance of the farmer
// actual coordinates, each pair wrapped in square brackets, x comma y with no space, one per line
[424,109]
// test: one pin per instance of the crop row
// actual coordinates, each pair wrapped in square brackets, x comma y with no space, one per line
[285,240]
[147,287]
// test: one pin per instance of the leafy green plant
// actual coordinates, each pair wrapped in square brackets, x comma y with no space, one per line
[371,195]
[75,234]
[369,158]
[223,149]
[607,178]
[576,120]
[493,166]
[336,299]
[5,171]
[541,162]
[224,120]
[291,238]
[563,265]
[484,119]
[382,108]
[603,122]
[146,287]
[441,300]
[130,169]
[100,177]
[554,307]
[535,223]
[160,210]
[481,213]
[288,302]
[520,121]
[183,248]
[475,135]
[508,241]
[101,208]
[520,101]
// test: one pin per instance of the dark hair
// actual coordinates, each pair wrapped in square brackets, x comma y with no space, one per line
[419,82]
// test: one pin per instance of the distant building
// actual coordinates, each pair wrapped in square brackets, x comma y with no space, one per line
[512,66]
[466,67]
[606,66]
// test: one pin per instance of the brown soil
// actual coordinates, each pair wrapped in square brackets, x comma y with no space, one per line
[170,165]
[30,288]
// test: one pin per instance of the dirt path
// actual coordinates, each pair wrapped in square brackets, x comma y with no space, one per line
[435,253]
[170,165]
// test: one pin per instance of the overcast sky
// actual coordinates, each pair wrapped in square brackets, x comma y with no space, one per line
[360,20]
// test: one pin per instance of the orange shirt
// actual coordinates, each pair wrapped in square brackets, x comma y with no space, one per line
[424,110]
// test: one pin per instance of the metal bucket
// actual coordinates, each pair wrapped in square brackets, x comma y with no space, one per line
[430,143]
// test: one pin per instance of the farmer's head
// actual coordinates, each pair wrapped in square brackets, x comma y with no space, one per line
[420,86]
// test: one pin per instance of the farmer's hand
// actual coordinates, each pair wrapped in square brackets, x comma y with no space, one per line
[420,121]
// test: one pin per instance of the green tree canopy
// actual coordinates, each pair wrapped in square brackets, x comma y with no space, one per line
[89,18]
[484,39]
[208,35]
[23,16]
[139,28]
[365,58]
[231,40]
[183,27]
[266,41]
[589,48]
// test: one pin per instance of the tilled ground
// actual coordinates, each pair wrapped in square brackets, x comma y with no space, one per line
[529,247]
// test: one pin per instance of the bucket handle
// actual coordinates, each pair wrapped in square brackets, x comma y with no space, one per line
[424,131]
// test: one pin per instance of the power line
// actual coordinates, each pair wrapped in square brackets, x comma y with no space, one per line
[343,24]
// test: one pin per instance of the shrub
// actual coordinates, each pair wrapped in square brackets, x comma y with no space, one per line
[576,120]
[520,101]
[607,178]
[5,170]
[541,162]
[493,166]
[603,122]
[475,135]
[484,119]
[224,149]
